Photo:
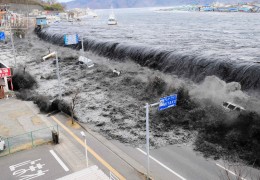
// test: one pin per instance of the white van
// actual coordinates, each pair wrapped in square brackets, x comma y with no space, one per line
[2,144]
[232,107]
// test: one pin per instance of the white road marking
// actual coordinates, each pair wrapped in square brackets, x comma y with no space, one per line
[229,171]
[59,160]
[161,164]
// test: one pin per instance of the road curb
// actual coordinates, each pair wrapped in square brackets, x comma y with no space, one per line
[129,160]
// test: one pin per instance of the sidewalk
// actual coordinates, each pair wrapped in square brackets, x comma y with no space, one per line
[20,117]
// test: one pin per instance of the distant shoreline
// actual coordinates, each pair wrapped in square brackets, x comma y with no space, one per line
[244,8]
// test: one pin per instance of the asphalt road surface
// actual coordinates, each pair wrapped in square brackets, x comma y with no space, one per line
[180,162]
[40,163]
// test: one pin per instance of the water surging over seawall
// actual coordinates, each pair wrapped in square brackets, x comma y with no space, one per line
[190,66]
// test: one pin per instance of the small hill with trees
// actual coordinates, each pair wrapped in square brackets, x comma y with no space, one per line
[49,5]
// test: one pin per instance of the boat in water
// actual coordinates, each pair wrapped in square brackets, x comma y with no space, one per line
[112,19]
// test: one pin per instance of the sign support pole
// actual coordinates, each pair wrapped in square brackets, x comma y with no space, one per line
[164,103]
[147,140]
[58,74]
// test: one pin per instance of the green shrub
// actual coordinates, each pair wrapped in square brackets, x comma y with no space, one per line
[53,7]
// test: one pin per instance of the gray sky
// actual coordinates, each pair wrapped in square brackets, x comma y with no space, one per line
[64,0]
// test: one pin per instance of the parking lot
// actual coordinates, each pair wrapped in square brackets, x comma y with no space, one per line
[39,163]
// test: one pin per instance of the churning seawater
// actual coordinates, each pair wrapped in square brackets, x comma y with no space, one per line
[191,44]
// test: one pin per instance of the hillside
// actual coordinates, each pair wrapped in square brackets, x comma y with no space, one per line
[21,5]
[31,2]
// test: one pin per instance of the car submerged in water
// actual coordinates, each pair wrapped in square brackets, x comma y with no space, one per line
[232,107]
[83,60]
[2,144]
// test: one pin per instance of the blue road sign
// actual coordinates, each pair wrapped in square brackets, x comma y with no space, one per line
[71,39]
[167,102]
[2,36]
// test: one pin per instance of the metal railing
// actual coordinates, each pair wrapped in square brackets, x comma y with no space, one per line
[28,140]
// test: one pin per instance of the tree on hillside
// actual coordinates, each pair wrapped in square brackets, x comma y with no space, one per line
[49,1]
[52,5]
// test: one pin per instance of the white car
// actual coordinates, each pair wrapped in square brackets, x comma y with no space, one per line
[232,107]
[84,60]
[2,144]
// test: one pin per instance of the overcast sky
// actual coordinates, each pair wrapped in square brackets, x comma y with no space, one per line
[64,0]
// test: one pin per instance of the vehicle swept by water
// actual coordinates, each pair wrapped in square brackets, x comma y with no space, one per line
[232,107]
[112,19]
[83,60]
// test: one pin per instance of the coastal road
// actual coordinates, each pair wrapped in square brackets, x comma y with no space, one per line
[181,162]
[167,163]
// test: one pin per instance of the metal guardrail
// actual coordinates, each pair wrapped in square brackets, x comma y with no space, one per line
[28,140]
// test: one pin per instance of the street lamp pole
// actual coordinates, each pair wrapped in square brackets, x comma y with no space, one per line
[86,147]
[86,150]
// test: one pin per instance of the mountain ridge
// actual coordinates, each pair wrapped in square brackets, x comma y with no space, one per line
[103,4]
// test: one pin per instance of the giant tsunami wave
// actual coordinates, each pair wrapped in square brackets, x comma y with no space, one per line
[188,66]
